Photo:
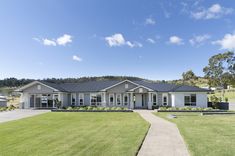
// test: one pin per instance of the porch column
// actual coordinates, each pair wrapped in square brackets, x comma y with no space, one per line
[149,101]
[104,100]
[131,101]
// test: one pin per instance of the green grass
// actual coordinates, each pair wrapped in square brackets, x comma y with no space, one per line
[73,134]
[206,135]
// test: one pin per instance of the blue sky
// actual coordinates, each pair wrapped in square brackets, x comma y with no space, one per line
[149,39]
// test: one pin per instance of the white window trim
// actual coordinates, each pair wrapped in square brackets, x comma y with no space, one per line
[128,99]
[111,95]
[165,95]
[190,96]
[156,97]
[81,96]
[97,103]
[75,96]
[120,99]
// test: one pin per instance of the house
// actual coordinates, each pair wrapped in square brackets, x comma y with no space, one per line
[3,101]
[106,93]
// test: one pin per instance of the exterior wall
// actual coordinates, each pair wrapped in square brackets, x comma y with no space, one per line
[87,99]
[178,99]
[3,103]
[138,90]
[159,99]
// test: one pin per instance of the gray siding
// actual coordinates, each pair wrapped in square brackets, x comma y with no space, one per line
[159,97]
[3,103]
[87,99]
[34,90]
[144,90]
[121,88]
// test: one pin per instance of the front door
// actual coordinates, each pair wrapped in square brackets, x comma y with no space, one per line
[138,100]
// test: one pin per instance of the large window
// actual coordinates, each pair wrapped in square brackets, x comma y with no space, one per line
[96,99]
[190,100]
[111,99]
[81,99]
[155,99]
[118,99]
[164,100]
[125,100]
[73,99]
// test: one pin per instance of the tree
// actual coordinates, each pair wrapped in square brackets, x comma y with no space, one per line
[189,75]
[220,70]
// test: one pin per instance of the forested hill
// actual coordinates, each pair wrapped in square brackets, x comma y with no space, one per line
[13,82]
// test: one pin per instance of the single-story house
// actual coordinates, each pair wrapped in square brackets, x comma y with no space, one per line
[106,93]
[3,101]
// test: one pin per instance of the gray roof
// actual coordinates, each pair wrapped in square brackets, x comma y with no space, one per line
[95,86]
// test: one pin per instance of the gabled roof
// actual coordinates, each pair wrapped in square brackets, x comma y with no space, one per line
[96,86]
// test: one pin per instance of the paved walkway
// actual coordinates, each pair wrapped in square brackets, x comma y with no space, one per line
[163,138]
[19,114]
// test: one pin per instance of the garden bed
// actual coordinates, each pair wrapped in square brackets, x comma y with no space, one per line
[65,110]
[218,113]
[2,109]
[191,111]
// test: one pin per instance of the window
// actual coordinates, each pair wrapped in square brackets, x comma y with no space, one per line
[81,99]
[39,87]
[190,100]
[165,100]
[154,99]
[96,99]
[111,99]
[118,99]
[125,100]
[126,86]
[73,99]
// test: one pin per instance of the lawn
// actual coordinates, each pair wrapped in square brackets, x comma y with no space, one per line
[206,135]
[73,134]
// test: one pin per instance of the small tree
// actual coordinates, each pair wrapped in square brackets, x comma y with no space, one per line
[215,101]
[58,103]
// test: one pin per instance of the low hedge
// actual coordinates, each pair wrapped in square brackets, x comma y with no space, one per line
[11,107]
[188,109]
[93,109]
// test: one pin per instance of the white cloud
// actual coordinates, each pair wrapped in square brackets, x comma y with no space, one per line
[175,40]
[150,40]
[150,21]
[214,12]
[63,40]
[118,40]
[199,40]
[77,58]
[115,40]
[48,42]
[228,42]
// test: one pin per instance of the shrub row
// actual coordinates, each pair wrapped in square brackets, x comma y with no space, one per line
[96,108]
[187,109]
[11,107]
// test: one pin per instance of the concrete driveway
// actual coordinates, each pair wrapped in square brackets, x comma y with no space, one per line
[19,114]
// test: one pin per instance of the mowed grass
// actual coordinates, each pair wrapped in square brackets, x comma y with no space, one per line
[106,134]
[206,135]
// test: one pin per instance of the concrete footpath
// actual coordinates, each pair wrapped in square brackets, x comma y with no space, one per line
[19,114]
[163,138]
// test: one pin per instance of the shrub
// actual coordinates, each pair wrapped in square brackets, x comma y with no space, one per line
[89,108]
[70,108]
[226,99]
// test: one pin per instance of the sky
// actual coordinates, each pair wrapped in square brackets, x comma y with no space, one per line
[157,40]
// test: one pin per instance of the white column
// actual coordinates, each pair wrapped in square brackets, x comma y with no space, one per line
[131,101]
[149,101]
[104,100]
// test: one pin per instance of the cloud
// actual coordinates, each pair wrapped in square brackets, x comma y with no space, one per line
[48,42]
[199,40]
[175,40]
[118,40]
[214,12]
[63,40]
[150,40]
[115,40]
[228,42]
[77,58]
[150,21]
